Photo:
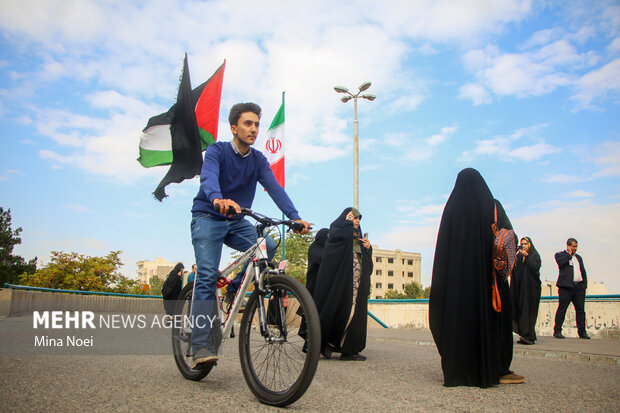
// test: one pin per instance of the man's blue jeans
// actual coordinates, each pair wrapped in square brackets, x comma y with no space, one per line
[209,234]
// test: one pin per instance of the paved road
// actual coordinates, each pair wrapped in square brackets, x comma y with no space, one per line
[402,373]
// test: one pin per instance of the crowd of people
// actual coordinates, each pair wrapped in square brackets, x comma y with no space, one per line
[474,338]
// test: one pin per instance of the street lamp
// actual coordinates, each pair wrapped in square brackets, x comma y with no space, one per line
[341,89]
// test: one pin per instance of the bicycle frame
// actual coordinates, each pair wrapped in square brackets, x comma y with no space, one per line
[257,253]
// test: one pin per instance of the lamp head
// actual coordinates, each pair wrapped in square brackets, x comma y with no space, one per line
[369,96]
[341,89]
[364,86]
[345,99]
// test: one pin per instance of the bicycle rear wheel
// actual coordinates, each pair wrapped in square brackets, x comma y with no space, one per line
[182,338]
[280,365]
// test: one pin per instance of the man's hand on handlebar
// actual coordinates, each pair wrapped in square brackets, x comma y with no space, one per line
[226,207]
[306,227]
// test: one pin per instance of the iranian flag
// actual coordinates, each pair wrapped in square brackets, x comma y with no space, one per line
[178,137]
[274,145]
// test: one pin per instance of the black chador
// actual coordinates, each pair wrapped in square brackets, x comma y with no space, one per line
[525,289]
[315,256]
[474,342]
[343,317]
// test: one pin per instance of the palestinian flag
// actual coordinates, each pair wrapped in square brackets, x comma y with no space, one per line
[179,136]
[274,145]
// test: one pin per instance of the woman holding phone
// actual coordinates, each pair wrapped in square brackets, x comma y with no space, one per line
[342,287]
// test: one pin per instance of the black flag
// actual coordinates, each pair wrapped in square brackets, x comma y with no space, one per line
[186,148]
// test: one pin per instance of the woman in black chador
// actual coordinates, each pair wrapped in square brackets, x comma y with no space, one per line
[342,287]
[315,256]
[172,288]
[474,341]
[525,291]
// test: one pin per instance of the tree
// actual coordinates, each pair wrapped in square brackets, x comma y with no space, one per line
[11,266]
[73,271]
[128,286]
[412,290]
[155,284]
[296,249]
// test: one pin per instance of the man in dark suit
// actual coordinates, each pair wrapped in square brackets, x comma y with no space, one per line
[572,284]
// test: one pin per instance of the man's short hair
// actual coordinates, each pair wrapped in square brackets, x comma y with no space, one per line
[239,108]
[571,241]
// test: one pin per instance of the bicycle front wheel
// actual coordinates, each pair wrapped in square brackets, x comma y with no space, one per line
[182,337]
[279,364]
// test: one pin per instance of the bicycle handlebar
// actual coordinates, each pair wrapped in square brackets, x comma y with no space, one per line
[264,220]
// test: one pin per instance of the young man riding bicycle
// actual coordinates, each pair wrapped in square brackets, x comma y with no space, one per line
[228,179]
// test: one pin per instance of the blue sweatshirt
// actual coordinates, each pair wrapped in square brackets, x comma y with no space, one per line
[226,174]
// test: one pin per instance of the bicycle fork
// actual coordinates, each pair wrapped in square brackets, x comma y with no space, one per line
[273,316]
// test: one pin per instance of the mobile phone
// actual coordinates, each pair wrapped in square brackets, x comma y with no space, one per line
[366,235]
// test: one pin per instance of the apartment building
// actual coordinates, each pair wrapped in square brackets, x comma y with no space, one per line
[159,268]
[393,269]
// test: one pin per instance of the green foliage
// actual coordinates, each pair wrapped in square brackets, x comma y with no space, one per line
[155,284]
[73,271]
[11,266]
[296,251]
[412,290]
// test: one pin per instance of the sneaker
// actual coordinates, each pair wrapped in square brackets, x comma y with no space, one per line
[203,357]
[558,335]
[352,357]
[511,378]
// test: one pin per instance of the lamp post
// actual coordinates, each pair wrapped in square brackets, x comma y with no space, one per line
[340,89]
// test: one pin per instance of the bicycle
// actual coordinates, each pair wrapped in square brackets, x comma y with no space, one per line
[278,364]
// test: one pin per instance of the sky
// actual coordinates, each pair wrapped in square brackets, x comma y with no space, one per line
[526,92]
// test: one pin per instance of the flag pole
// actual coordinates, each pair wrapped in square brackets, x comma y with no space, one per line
[283,230]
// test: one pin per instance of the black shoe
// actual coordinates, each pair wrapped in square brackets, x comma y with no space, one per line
[352,357]
[525,341]
[584,336]
[558,335]
[326,352]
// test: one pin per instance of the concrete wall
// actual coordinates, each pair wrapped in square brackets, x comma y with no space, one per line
[19,302]
[602,317]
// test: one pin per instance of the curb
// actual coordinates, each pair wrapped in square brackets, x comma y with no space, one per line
[564,355]
[546,354]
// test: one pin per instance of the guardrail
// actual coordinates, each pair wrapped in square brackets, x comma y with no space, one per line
[56,290]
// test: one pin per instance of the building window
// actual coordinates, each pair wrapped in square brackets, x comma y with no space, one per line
[390,260]
[379,272]
[390,286]
[403,286]
[378,297]
[410,274]
[403,274]
[378,259]
[403,261]
[410,262]
[378,285]
[390,273]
